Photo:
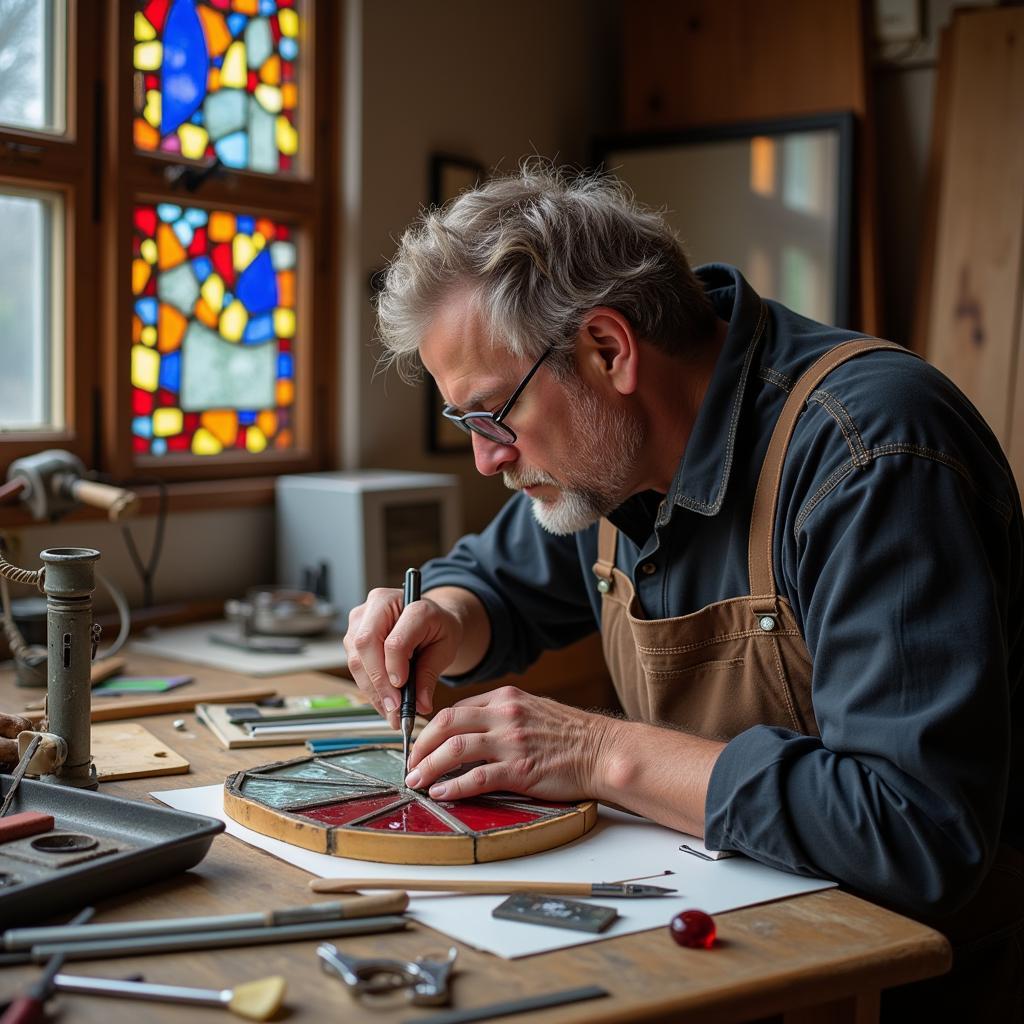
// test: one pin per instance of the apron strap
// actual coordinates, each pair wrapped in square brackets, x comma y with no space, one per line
[607,539]
[760,565]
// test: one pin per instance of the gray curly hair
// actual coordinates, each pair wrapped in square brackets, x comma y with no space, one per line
[538,249]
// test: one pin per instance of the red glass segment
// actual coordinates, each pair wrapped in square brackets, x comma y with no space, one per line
[348,810]
[481,816]
[412,817]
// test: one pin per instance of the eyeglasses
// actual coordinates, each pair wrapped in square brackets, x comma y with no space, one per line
[489,424]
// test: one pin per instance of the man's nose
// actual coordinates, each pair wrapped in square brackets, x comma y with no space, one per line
[492,457]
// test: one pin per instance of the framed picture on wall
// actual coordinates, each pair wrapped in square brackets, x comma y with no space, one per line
[773,198]
[449,176]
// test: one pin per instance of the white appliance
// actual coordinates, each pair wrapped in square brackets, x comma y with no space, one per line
[342,534]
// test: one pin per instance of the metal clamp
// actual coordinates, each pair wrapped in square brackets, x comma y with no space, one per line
[425,979]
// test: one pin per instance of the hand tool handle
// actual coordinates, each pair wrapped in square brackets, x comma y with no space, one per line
[478,887]
[24,1010]
[407,709]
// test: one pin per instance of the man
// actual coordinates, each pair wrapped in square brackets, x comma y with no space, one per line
[817,642]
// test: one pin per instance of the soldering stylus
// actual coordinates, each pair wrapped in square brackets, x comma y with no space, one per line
[407,709]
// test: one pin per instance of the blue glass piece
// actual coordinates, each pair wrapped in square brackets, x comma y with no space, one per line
[233,149]
[203,268]
[236,23]
[159,446]
[197,117]
[146,308]
[289,48]
[184,231]
[196,217]
[258,330]
[170,371]
[257,285]
[142,426]
[245,225]
[246,418]
[284,365]
[268,7]
[218,61]
[228,299]
[168,212]
[185,66]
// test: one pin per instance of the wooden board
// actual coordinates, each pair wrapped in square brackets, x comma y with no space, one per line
[971,326]
[353,804]
[127,750]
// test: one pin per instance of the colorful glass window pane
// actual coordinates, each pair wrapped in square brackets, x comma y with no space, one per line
[213,346]
[218,78]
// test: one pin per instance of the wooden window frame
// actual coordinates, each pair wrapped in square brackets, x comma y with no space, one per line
[101,176]
[63,164]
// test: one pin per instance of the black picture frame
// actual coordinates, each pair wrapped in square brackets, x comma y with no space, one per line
[639,157]
[449,175]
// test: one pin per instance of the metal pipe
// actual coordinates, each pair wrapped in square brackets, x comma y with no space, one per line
[69,584]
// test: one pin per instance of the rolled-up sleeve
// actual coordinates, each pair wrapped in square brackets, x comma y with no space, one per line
[903,573]
[529,582]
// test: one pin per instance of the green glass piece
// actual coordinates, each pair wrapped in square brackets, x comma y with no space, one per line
[379,764]
[262,144]
[259,44]
[178,287]
[280,793]
[217,374]
[225,112]
[282,255]
[317,772]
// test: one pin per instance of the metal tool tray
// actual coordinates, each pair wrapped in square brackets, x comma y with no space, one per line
[153,842]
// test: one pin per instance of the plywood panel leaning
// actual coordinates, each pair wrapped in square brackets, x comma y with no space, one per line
[971,326]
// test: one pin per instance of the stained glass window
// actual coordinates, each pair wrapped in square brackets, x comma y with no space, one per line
[218,78]
[213,331]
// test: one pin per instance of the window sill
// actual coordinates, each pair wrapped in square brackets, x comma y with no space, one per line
[197,496]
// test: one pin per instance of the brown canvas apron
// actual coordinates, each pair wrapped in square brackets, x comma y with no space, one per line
[733,664]
[743,662]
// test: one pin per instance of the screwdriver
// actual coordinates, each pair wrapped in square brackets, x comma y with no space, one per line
[30,1008]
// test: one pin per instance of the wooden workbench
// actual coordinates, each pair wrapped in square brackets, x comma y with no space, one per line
[820,957]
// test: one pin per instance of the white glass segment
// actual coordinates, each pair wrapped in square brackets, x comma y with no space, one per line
[33,60]
[31,305]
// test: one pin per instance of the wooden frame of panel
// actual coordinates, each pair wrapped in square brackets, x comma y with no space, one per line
[359,841]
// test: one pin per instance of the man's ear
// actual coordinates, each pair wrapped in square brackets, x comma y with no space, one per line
[607,351]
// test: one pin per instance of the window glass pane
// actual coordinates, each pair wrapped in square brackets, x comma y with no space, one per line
[213,331]
[218,78]
[32,62]
[31,327]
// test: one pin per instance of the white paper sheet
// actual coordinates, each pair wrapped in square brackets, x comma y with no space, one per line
[619,846]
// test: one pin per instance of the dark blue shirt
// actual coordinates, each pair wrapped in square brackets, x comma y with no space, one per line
[899,545]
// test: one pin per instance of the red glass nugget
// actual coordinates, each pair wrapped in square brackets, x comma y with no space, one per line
[694,929]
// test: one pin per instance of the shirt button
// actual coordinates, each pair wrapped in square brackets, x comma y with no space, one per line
[648,568]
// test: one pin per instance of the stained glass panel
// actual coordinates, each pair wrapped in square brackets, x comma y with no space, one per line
[213,331]
[218,78]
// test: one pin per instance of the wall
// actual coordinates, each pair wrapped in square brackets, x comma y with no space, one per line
[490,81]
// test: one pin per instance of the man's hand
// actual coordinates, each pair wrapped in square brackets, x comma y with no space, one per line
[382,636]
[10,726]
[531,745]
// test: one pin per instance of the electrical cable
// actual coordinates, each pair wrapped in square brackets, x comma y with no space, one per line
[147,571]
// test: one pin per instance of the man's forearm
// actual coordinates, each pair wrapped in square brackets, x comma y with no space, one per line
[476,626]
[659,773]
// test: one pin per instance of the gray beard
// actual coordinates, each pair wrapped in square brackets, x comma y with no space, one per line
[608,442]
